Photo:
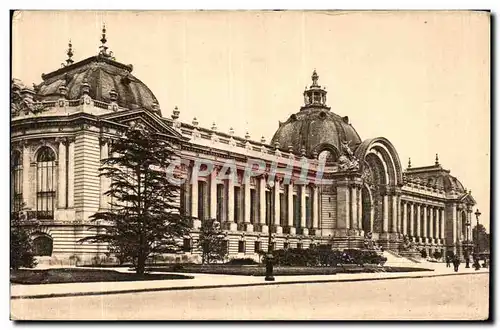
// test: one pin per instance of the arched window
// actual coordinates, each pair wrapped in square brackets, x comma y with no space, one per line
[45,183]
[17,181]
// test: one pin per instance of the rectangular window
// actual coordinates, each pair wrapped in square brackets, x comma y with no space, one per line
[241,247]
[220,202]
[257,247]
[237,197]
[186,245]
[296,210]
[252,205]
[282,209]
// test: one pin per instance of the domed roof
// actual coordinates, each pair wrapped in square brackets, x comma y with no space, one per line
[315,127]
[104,76]
[107,79]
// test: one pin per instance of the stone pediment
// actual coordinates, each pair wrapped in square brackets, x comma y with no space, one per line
[148,120]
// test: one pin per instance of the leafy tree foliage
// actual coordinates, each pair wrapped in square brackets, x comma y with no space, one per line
[21,245]
[211,242]
[484,238]
[144,218]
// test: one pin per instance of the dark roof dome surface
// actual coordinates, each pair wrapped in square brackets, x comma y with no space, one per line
[314,127]
[103,75]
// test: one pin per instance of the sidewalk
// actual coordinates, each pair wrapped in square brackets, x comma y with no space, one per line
[208,281]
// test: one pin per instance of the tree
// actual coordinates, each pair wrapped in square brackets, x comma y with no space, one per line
[145,217]
[21,245]
[211,242]
[484,238]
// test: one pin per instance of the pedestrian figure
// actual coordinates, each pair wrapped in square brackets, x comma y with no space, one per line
[448,261]
[456,263]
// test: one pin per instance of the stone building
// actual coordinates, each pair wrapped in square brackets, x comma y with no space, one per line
[62,127]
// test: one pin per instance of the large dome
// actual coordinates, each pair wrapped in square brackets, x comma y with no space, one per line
[104,77]
[315,128]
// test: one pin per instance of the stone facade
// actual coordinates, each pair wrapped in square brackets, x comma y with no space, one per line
[369,194]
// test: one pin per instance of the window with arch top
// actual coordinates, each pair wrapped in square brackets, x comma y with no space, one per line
[45,183]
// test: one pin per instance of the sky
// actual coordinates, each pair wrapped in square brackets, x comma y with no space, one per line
[420,79]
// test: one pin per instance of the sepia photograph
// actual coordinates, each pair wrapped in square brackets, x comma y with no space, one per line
[271,165]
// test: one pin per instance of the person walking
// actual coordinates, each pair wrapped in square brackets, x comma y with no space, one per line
[456,263]
[448,261]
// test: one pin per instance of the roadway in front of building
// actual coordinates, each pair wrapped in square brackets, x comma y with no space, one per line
[462,297]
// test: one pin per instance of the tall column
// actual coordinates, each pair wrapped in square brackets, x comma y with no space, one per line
[303,225]
[360,209]
[419,220]
[247,206]
[26,176]
[194,198]
[103,201]
[315,223]
[213,195]
[385,219]
[71,173]
[441,211]
[412,220]
[431,224]
[469,219]
[405,218]
[277,208]
[354,207]
[233,226]
[289,214]
[424,223]
[262,205]
[394,199]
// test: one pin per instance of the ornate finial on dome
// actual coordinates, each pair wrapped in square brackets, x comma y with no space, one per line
[315,78]
[315,95]
[214,126]
[276,145]
[437,160]
[409,162]
[290,149]
[175,113]
[231,131]
[85,87]
[113,95]
[247,135]
[103,49]
[63,90]
[195,122]
[262,139]
[69,61]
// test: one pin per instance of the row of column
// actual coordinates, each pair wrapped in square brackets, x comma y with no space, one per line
[423,221]
[349,207]
[261,216]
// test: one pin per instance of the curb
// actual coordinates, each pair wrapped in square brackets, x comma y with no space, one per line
[194,287]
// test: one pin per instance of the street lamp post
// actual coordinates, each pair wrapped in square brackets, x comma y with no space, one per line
[269,257]
[467,247]
[476,257]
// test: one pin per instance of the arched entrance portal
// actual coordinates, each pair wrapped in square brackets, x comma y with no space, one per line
[42,245]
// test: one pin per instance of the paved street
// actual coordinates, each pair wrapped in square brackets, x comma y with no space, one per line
[448,297]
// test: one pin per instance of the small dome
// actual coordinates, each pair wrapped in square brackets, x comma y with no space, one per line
[315,127]
[105,78]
